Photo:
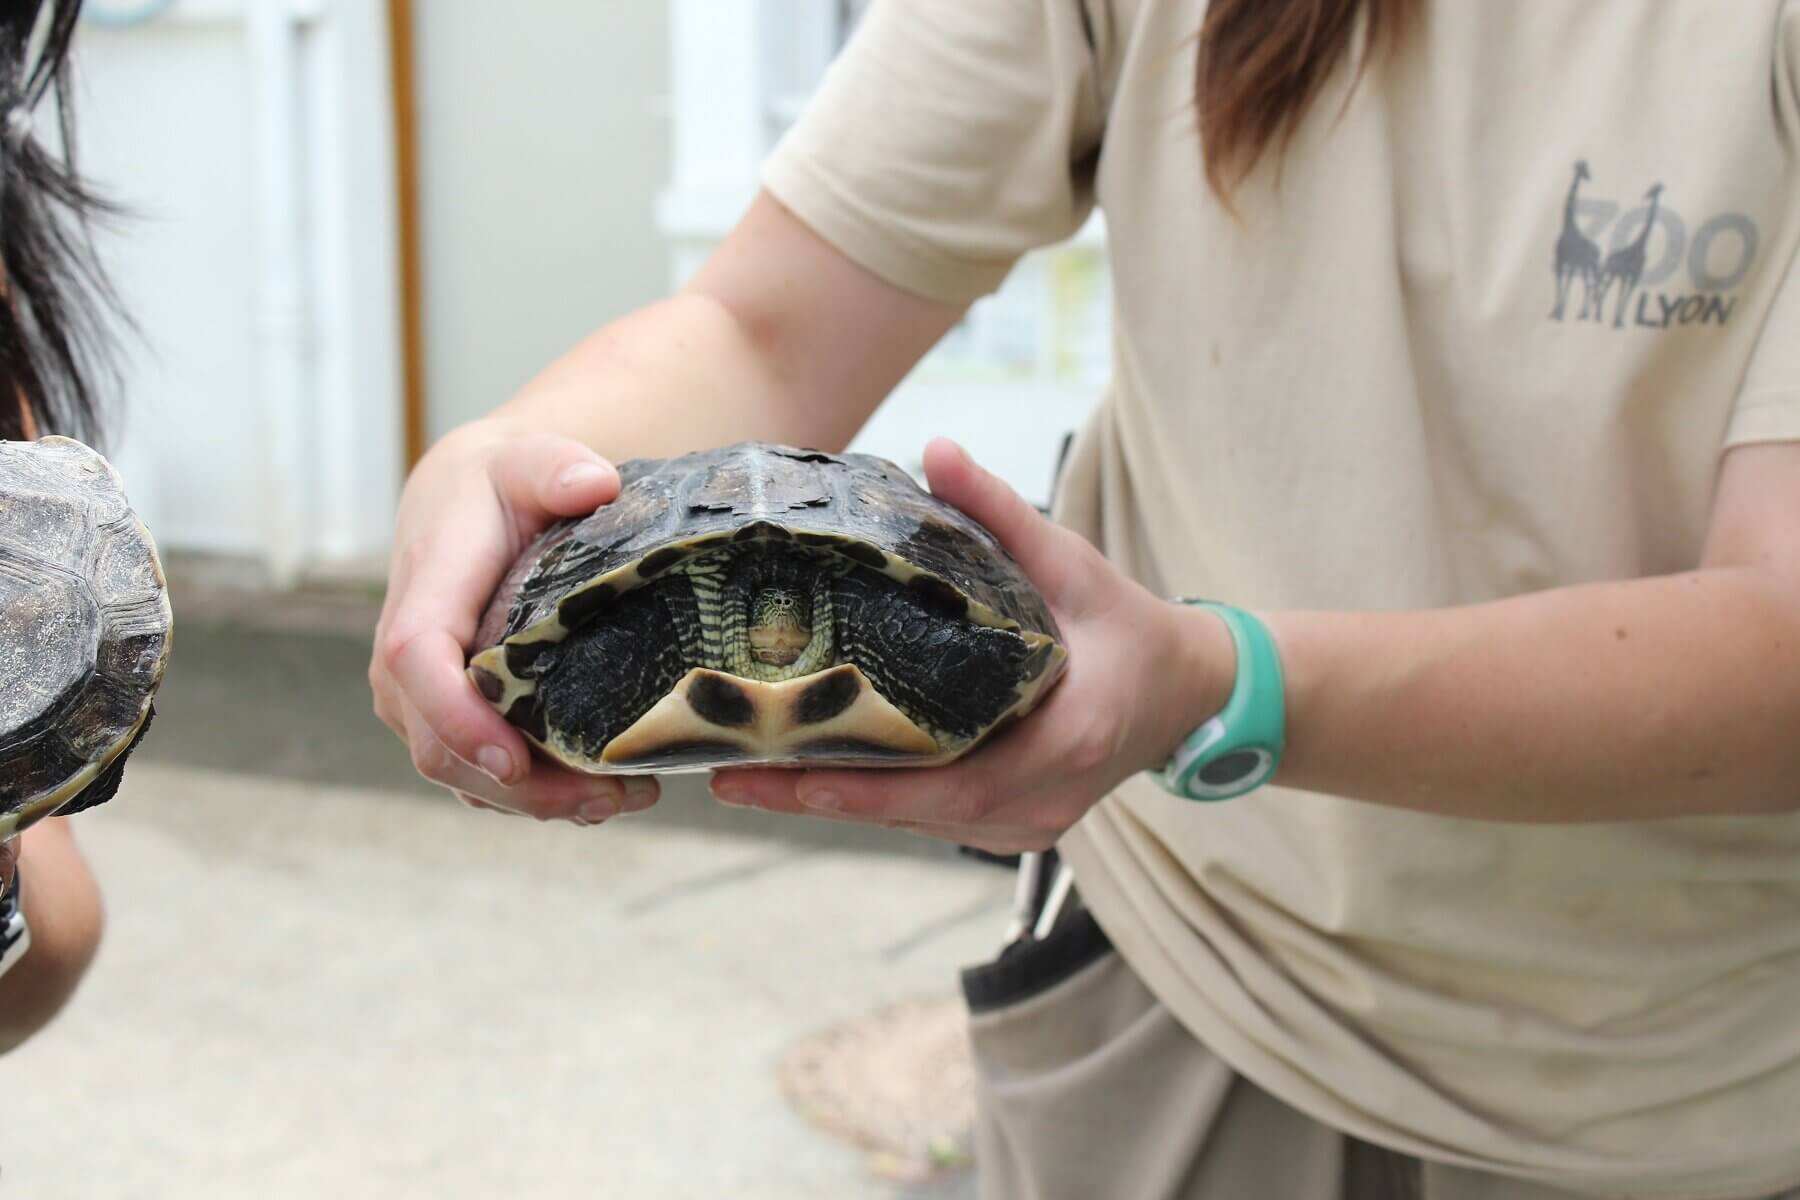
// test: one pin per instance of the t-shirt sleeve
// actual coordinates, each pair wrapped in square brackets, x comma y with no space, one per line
[1768,406]
[947,140]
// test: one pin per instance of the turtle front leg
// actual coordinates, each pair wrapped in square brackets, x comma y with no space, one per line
[635,649]
[951,676]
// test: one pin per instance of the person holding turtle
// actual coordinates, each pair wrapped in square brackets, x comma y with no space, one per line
[1451,849]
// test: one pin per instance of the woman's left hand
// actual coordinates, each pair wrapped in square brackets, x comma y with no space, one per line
[1142,672]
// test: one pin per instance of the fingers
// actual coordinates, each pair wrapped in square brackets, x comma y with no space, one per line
[441,584]
[546,793]
[438,763]
[770,789]
[1017,792]
[443,579]
[1055,559]
[428,670]
[546,476]
[445,575]
[773,791]
[964,793]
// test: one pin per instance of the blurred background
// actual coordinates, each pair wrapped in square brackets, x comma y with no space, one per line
[322,288]
[353,225]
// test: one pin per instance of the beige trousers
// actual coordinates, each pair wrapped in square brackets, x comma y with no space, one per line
[1090,1090]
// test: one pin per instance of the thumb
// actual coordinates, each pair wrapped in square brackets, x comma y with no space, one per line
[1055,559]
[545,476]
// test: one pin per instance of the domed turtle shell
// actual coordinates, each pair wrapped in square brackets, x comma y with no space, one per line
[84,630]
[623,641]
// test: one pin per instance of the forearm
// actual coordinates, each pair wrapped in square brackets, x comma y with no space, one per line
[62,906]
[676,376]
[779,337]
[1661,697]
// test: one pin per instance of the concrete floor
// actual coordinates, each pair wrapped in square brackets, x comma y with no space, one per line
[322,979]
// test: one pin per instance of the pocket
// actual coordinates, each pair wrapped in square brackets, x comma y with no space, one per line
[1028,968]
[1079,1078]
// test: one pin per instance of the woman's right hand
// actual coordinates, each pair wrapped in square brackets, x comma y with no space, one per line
[468,510]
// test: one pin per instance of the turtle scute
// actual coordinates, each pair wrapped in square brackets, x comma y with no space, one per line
[85,630]
[763,604]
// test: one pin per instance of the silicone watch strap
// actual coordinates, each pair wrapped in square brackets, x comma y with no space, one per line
[1239,749]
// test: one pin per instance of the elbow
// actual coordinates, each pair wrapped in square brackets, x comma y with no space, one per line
[67,919]
[42,983]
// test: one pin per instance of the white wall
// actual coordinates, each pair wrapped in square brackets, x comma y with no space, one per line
[557,192]
[543,145]
[171,124]
[163,128]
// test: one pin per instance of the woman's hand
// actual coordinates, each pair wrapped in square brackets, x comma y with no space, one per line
[1142,673]
[467,512]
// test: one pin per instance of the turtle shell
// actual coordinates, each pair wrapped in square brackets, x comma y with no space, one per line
[84,630]
[611,642]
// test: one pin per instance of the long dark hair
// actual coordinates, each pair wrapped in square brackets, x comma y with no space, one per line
[54,296]
[1261,64]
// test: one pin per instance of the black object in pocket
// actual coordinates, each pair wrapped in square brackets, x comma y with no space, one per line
[1032,966]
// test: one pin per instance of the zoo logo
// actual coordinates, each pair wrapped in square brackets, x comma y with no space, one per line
[1717,257]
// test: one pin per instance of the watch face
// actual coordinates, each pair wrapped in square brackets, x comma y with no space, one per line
[1231,774]
[1232,768]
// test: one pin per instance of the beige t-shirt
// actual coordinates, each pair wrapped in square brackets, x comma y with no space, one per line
[1434,362]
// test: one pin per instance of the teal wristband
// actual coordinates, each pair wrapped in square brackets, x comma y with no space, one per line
[1238,750]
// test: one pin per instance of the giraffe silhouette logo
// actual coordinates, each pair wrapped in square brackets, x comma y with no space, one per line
[1577,256]
[1625,266]
[1648,247]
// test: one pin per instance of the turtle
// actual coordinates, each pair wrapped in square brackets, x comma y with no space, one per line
[761,603]
[85,630]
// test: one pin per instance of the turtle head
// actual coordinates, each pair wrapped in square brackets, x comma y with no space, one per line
[775,614]
[780,626]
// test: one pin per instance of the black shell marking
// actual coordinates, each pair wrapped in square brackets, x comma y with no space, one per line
[522,657]
[658,561]
[585,605]
[528,714]
[826,699]
[489,684]
[763,531]
[720,701]
[696,753]
[852,748]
